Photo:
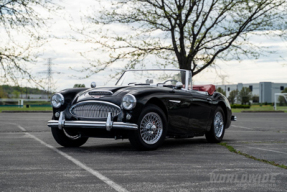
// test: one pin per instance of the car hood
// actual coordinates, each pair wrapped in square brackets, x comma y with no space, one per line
[111,94]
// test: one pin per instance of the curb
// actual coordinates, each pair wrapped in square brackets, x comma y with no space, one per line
[262,112]
[27,111]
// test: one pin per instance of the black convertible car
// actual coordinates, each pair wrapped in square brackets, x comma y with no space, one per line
[145,106]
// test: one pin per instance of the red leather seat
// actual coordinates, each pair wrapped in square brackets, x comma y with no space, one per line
[207,88]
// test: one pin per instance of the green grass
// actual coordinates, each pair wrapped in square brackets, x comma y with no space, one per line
[261,108]
[25,109]
[231,149]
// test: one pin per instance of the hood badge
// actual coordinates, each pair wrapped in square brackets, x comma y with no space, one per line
[98,94]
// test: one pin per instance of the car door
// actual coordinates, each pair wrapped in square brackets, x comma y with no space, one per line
[178,105]
[199,114]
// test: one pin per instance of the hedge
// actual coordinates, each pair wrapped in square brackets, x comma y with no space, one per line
[235,106]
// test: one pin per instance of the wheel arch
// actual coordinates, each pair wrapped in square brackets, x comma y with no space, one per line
[159,103]
[224,108]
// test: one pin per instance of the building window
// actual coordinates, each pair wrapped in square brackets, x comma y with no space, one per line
[228,88]
[251,87]
[255,99]
[281,88]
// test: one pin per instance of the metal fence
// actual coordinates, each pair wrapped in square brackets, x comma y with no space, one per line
[21,102]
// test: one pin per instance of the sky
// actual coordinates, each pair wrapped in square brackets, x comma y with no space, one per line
[65,55]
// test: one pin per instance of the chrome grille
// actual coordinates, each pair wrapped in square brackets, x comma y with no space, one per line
[94,110]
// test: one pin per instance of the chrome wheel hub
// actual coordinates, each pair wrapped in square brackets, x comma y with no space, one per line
[151,128]
[218,124]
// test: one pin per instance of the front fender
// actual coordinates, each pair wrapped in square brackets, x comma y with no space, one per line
[141,104]
[69,95]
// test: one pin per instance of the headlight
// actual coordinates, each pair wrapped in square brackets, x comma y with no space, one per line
[57,100]
[129,102]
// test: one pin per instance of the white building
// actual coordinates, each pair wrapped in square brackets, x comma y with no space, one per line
[265,90]
[31,96]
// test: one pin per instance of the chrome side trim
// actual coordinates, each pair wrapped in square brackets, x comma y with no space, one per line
[202,92]
[175,101]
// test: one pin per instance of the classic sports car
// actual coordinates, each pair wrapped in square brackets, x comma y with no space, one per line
[145,106]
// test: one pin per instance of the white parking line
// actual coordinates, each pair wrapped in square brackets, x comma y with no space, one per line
[268,150]
[78,163]
[241,127]
[20,127]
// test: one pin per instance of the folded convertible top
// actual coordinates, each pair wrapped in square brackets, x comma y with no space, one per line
[207,88]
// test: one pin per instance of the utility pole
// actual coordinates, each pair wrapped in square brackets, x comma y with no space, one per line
[222,77]
[49,73]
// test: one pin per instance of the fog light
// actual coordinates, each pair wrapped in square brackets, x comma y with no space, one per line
[128,117]
[57,114]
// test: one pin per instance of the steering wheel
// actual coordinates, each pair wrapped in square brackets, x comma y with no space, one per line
[171,80]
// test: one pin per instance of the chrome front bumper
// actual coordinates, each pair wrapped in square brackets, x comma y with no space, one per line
[108,125]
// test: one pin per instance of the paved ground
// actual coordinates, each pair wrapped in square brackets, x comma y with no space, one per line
[30,160]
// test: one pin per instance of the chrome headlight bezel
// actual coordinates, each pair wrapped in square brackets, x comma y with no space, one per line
[57,100]
[129,102]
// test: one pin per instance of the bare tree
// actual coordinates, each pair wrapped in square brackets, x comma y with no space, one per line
[20,32]
[190,34]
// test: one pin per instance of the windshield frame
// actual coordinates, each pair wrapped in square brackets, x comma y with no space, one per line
[188,75]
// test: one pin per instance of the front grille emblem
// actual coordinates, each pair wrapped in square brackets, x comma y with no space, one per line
[97,96]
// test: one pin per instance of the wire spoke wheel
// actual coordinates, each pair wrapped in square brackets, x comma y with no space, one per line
[218,124]
[151,128]
[217,129]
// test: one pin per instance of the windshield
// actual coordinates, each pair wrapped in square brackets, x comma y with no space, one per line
[154,78]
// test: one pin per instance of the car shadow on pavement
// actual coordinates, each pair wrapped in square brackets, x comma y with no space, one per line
[125,147]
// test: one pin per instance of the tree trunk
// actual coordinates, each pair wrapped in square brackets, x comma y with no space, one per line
[184,62]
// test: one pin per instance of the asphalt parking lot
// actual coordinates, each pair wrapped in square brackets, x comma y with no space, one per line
[31,160]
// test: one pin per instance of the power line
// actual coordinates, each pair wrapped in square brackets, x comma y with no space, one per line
[49,73]
[222,77]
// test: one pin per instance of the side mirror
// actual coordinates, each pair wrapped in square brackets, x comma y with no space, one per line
[178,85]
[93,84]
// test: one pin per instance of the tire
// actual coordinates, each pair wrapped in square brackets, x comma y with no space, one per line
[216,133]
[152,130]
[68,139]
